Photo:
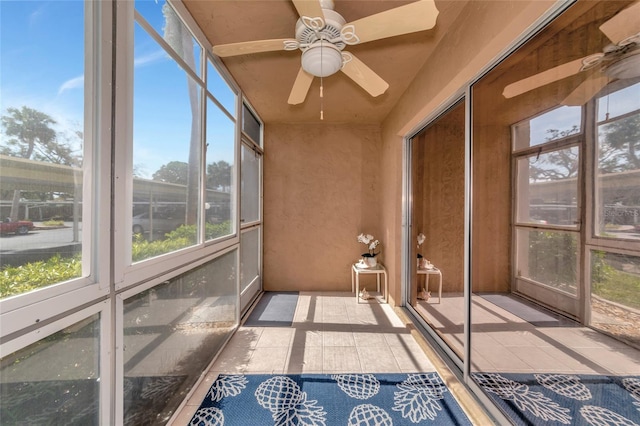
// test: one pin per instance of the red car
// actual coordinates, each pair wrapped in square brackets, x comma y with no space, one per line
[20,227]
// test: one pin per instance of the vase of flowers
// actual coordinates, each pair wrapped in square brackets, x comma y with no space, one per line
[421,239]
[369,258]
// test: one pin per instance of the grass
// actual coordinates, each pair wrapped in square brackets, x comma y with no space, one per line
[620,287]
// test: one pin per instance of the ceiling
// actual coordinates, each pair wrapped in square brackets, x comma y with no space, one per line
[267,78]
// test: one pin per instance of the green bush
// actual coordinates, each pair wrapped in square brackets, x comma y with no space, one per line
[211,231]
[611,283]
[183,236]
[142,249]
[30,276]
[53,223]
[552,259]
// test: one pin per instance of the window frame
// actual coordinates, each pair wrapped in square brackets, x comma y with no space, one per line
[593,241]
[104,362]
[128,274]
[42,304]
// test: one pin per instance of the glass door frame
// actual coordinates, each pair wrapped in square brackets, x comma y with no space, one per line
[408,263]
[460,368]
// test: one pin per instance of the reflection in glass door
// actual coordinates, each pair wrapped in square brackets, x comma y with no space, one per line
[613,246]
[547,179]
[437,173]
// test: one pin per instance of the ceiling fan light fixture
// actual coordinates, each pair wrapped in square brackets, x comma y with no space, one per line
[322,59]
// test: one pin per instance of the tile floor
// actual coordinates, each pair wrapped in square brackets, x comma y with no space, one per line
[502,342]
[331,333]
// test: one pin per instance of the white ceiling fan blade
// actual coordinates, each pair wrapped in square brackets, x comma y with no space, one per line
[586,90]
[364,76]
[247,47]
[543,78]
[410,18]
[624,24]
[300,87]
[309,8]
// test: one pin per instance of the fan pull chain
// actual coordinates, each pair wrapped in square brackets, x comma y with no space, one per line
[321,101]
[321,86]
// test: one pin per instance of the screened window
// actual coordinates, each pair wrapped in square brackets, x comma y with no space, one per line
[42,142]
[171,331]
[250,257]
[251,166]
[251,126]
[55,380]
[617,182]
[221,89]
[548,187]
[173,133]
[220,162]
[167,143]
[548,257]
[553,125]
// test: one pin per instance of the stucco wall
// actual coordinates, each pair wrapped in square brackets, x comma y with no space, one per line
[322,188]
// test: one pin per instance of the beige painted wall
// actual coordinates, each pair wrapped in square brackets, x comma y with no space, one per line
[322,188]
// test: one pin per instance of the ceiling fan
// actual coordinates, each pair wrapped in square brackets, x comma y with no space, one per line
[322,34]
[620,60]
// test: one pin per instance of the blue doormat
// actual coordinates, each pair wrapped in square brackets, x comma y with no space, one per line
[564,399]
[274,309]
[329,400]
[534,314]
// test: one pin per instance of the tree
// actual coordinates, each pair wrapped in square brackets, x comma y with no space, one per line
[173,172]
[622,137]
[219,175]
[555,165]
[29,134]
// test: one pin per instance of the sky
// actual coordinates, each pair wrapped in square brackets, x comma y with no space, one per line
[42,67]
[565,117]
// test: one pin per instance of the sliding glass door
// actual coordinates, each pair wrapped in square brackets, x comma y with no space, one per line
[436,258]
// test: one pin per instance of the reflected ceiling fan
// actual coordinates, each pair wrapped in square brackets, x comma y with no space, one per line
[620,60]
[322,34]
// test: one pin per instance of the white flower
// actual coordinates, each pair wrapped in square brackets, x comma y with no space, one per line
[368,239]
[364,239]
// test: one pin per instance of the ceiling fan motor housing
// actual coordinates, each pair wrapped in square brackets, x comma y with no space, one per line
[321,45]
[628,66]
[333,23]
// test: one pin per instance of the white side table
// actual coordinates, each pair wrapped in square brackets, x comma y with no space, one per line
[429,272]
[378,270]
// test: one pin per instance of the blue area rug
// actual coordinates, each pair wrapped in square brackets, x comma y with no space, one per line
[328,400]
[274,309]
[564,399]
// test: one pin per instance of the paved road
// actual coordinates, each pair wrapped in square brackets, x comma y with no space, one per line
[38,239]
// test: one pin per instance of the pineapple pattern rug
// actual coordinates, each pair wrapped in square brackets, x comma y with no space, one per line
[329,400]
[564,399]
